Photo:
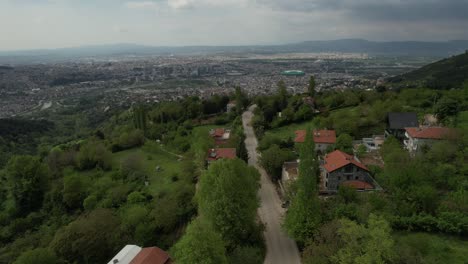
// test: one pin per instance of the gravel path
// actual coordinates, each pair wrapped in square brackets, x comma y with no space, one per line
[280,248]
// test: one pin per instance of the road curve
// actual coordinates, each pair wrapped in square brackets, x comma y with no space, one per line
[280,248]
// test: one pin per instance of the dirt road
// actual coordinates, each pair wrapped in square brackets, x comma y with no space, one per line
[280,248]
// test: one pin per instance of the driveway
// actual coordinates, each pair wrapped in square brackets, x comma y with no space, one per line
[280,248]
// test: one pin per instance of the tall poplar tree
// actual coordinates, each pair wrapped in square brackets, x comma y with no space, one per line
[303,217]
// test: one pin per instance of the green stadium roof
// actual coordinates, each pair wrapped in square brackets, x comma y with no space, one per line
[293,73]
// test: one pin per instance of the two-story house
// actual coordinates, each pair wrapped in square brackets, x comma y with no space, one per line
[323,139]
[339,168]
[417,137]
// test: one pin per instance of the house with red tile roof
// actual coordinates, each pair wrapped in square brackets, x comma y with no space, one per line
[132,254]
[152,255]
[323,139]
[220,135]
[417,137]
[220,153]
[341,169]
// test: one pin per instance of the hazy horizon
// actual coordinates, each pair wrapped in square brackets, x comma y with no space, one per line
[52,24]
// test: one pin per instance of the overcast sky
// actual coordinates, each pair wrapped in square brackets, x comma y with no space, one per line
[32,24]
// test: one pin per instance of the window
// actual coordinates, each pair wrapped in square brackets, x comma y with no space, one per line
[326,184]
[356,178]
[348,177]
[339,178]
[348,169]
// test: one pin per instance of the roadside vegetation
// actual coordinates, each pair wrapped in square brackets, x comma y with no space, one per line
[424,198]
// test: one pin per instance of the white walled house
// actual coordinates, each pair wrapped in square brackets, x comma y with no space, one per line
[417,137]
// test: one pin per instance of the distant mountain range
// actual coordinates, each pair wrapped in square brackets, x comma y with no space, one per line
[444,74]
[399,48]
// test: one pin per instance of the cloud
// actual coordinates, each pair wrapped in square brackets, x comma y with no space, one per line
[381,10]
[181,4]
[142,5]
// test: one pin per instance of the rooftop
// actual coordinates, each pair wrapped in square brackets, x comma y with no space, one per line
[218,132]
[402,120]
[221,153]
[151,255]
[338,159]
[428,132]
[359,185]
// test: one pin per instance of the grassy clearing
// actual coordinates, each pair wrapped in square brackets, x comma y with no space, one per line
[152,156]
[431,248]
[288,131]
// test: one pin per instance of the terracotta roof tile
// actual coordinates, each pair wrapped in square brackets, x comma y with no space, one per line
[360,185]
[221,153]
[151,255]
[428,132]
[218,132]
[338,159]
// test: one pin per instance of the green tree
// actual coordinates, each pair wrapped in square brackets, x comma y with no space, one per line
[242,101]
[365,245]
[246,255]
[227,197]
[200,245]
[272,160]
[325,243]
[303,217]
[140,118]
[91,238]
[74,191]
[446,107]
[344,142]
[282,95]
[27,180]
[38,255]
[312,86]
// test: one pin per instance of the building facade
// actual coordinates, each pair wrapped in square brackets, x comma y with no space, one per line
[338,169]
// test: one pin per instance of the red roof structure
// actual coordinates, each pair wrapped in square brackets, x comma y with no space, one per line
[151,255]
[359,185]
[428,132]
[221,153]
[338,159]
[320,136]
[218,132]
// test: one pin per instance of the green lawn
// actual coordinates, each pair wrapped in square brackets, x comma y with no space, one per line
[151,157]
[288,131]
[431,248]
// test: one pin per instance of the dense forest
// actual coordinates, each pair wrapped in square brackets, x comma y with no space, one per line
[445,74]
[79,198]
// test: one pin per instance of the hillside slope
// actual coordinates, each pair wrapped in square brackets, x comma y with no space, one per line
[445,74]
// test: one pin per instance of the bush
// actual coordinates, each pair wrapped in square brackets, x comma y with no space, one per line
[39,255]
[246,255]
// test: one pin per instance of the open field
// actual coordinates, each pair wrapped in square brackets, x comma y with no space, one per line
[151,157]
[288,131]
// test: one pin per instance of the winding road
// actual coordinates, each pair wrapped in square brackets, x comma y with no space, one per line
[280,248]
